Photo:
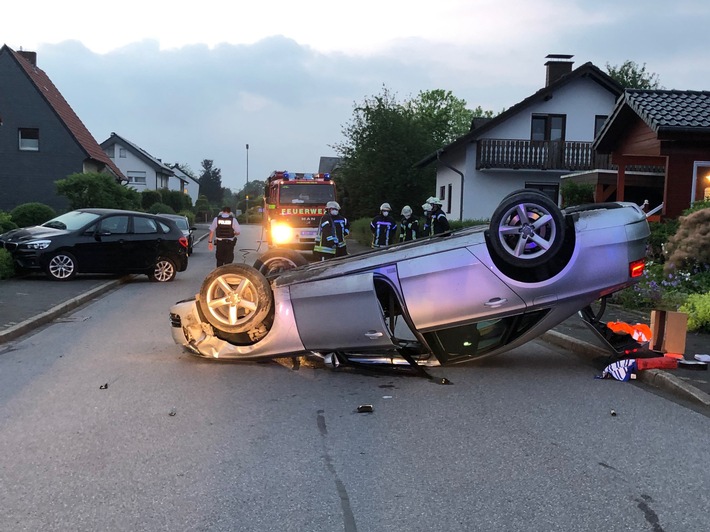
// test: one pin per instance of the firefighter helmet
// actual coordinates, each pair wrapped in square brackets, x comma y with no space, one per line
[332,205]
[406,210]
[385,207]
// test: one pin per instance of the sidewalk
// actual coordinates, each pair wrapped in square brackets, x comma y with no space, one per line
[30,302]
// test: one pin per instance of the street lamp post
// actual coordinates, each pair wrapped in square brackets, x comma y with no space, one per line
[247,164]
[247,214]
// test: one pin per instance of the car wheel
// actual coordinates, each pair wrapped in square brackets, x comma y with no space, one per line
[164,271]
[62,266]
[235,298]
[527,229]
[277,261]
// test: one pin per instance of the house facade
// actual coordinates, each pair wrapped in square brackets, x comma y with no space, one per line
[42,140]
[143,171]
[666,128]
[185,183]
[530,145]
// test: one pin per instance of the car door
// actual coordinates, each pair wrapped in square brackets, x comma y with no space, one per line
[103,250]
[451,287]
[145,243]
[340,314]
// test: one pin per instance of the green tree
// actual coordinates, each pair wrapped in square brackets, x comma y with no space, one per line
[211,182]
[97,190]
[631,75]
[32,214]
[383,141]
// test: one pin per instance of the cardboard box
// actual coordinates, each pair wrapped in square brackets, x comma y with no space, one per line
[668,330]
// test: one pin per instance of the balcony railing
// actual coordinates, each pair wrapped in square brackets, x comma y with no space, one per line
[539,155]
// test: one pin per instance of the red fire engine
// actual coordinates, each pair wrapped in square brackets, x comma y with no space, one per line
[294,204]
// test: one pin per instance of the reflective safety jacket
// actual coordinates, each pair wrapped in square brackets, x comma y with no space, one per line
[383,230]
[332,231]
[408,229]
[439,223]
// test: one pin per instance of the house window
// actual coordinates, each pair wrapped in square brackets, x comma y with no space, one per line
[442,193]
[111,151]
[136,177]
[598,123]
[548,127]
[122,153]
[448,199]
[29,139]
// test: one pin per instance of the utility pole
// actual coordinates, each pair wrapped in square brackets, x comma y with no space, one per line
[247,164]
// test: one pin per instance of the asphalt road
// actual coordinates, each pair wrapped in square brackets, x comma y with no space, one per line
[105,424]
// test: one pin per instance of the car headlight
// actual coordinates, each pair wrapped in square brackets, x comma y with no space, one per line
[37,244]
[281,233]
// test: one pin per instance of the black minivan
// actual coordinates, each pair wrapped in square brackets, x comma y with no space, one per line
[100,241]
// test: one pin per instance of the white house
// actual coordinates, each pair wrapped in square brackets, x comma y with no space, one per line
[530,145]
[187,184]
[144,172]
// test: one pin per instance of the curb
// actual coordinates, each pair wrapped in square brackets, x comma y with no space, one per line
[45,317]
[655,377]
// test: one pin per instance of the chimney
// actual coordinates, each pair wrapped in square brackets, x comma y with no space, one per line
[30,57]
[557,65]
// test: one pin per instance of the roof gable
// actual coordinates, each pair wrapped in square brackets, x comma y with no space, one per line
[668,113]
[587,70]
[139,152]
[63,110]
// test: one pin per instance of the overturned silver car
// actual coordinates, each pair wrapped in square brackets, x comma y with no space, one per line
[450,298]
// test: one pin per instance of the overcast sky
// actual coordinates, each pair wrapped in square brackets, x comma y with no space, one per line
[188,81]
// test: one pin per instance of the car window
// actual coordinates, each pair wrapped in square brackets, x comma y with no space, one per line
[116,225]
[165,227]
[473,339]
[144,226]
[71,221]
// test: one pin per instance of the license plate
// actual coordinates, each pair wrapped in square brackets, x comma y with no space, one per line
[308,234]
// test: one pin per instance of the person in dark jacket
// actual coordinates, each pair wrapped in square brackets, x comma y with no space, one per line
[224,230]
[332,230]
[409,226]
[439,223]
[383,227]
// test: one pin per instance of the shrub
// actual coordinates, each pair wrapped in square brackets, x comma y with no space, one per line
[161,208]
[149,198]
[7,266]
[32,214]
[577,194]
[697,307]
[97,190]
[690,246]
[190,217]
[660,233]
[6,223]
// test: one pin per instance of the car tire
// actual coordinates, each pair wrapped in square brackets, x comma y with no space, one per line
[164,271]
[527,229]
[61,266]
[276,261]
[235,298]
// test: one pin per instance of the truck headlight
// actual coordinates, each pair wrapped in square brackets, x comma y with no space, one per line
[281,233]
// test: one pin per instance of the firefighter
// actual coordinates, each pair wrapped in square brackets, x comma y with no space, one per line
[383,227]
[409,226]
[224,230]
[332,230]
[439,223]
[426,230]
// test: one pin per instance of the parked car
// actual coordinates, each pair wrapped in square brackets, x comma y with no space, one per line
[184,225]
[100,241]
[449,298]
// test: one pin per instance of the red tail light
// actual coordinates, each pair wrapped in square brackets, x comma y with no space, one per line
[636,268]
[183,241]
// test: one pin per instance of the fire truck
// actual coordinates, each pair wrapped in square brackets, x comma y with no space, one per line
[294,203]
